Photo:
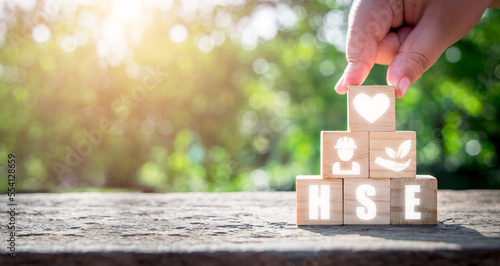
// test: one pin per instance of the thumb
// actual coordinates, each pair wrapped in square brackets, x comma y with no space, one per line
[424,45]
[418,52]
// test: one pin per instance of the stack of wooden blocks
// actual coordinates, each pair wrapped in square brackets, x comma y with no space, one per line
[368,173]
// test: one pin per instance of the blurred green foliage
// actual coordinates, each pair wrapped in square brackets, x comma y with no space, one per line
[193,96]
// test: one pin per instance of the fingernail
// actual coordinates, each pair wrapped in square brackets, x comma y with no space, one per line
[339,88]
[339,84]
[403,85]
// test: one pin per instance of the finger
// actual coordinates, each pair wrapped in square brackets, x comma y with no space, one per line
[388,48]
[420,50]
[354,74]
[369,22]
[403,32]
[426,42]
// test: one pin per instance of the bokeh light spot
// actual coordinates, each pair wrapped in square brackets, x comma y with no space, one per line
[68,44]
[205,44]
[473,147]
[327,68]
[260,66]
[453,54]
[260,179]
[178,33]
[41,33]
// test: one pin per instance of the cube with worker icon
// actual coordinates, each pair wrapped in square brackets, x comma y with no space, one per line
[371,108]
[344,154]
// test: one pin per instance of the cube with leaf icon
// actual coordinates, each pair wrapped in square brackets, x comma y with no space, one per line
[393,154]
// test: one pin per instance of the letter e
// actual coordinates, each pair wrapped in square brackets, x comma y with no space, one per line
[411,202]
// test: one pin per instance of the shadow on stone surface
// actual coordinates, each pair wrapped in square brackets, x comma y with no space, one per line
[441,232]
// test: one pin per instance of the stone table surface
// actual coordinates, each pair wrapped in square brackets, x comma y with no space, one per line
[244,228]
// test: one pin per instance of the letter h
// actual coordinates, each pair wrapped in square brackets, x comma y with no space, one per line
[321,201]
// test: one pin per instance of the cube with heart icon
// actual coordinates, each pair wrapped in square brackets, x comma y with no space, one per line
[371,108]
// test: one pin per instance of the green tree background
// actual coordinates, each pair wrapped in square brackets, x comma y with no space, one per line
[195,96]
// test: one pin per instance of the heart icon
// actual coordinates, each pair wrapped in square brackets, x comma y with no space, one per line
[373,108]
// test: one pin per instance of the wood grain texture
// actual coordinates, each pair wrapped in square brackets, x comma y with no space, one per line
[330,154]
[382,200]
[385,144]
[386,122]
[303,199]
[240,228]
[427,196]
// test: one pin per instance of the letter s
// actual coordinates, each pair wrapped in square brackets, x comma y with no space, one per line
[370,210]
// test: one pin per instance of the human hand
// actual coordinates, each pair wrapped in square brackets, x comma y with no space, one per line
[407,35]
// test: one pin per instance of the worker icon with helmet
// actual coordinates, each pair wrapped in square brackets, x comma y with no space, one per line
[345,148]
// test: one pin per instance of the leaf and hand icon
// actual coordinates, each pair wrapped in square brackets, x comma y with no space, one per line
[403,150]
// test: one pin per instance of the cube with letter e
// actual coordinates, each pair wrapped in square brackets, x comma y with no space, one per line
[414,201]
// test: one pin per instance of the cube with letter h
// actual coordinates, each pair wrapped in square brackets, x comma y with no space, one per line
[319,201]
[368,174]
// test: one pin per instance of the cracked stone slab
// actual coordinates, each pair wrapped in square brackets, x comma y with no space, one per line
[244,227]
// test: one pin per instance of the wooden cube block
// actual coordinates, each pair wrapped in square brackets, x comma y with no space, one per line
[344,154]
[393,154]
[319,201]
[367,201]
[414,201]
[371,108]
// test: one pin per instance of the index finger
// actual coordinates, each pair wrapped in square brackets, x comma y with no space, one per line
[369,23]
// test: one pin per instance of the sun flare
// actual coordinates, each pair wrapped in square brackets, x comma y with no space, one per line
[125,10]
